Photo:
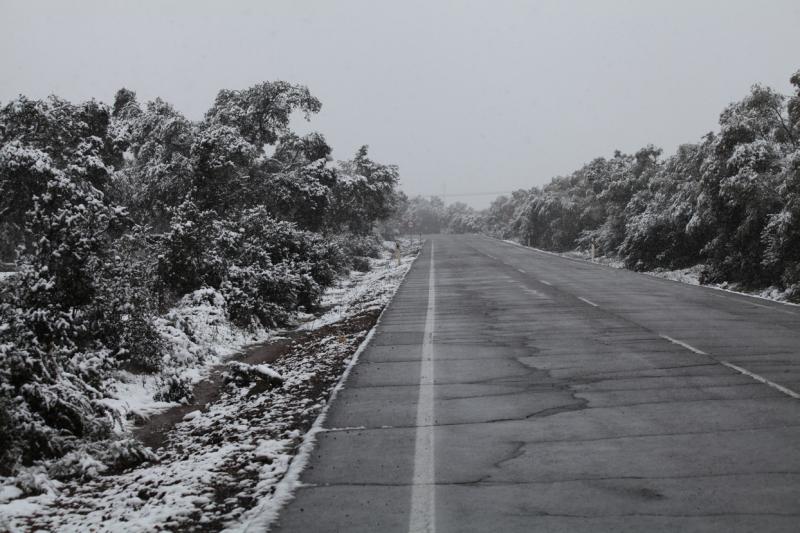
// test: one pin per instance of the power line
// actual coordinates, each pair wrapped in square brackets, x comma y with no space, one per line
[491,193]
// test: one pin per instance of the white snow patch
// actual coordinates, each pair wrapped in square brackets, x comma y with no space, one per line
[193,415]
[266,370]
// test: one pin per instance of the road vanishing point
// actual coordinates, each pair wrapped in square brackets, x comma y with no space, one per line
[507,389]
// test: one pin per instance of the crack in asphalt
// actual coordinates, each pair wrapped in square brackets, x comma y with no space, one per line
[484,482]
[522,442]
[597,439]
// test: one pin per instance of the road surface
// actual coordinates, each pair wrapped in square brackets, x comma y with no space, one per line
[507,389]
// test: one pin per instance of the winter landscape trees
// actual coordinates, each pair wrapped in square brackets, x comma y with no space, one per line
[113,214]
[729,201]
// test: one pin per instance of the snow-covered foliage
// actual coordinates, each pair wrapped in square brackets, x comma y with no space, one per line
[135,233]
[364,193]
[730,202]
[224,465]
[60,335]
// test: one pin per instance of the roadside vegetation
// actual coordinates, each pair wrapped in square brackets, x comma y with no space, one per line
[730,202]
[116,214]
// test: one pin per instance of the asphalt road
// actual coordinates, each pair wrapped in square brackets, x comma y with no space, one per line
[512,390]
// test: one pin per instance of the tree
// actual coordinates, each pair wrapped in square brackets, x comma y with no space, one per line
[159,173]
[36,138]
[363,194]
[739,186]
[262,112]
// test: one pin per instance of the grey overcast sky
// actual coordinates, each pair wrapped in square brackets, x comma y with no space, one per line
[480,96]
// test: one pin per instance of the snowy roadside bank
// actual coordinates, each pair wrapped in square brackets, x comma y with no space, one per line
[226,458]
[690,276]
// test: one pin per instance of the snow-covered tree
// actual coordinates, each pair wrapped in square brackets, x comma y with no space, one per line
[122,211]
[261,113]
[364,193]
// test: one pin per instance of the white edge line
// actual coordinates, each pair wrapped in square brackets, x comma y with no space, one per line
[546,282]
[588,301]
[261,517]
[681,343]
[521,271]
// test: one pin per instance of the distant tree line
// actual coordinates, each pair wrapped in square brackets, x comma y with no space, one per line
[423,215]
[113,213]
[730,201]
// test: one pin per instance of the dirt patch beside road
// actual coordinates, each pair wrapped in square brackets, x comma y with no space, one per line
[154,431]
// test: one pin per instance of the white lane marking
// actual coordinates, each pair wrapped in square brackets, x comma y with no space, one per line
[546,282]
[537,294]
[423,490]
[765,381]
[737,368]
[521,271]
[650,275]
[588,302]
[687,346]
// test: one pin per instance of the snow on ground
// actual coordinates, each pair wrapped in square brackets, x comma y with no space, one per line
[690,276]
[199,337]
[221,464]
[361,292]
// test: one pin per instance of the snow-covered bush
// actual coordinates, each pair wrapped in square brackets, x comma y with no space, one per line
[53,361]
[47,401]
[360,264]
[211,230]
[264,268]
[262,295]
[360,245]
[188,257]
[274,268]
[174,388]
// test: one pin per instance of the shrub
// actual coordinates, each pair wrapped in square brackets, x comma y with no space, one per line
[360,245]
[174,388]
[361,264]
[66,329]
[188,256]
